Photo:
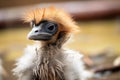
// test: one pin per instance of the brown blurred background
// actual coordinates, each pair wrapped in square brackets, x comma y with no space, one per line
[15,3]
[99,38]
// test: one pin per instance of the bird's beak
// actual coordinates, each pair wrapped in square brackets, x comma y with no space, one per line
[38,34]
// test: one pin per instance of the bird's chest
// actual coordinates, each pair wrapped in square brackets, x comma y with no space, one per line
[49,69]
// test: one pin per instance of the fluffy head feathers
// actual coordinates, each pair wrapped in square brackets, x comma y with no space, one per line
[52,14]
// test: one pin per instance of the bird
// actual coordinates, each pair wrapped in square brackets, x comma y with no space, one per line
[47,59]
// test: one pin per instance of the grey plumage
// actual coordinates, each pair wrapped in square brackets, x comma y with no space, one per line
[51,66]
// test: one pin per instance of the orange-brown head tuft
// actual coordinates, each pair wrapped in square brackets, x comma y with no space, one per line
[52,14]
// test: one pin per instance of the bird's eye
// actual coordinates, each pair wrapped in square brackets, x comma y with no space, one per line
[51,28]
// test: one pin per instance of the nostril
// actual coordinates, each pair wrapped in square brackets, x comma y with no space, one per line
[36,31]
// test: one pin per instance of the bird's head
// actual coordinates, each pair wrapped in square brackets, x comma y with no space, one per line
[49,24]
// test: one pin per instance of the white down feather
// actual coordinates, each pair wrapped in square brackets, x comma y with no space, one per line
[74,66]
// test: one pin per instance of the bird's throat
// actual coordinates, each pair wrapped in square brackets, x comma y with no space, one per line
[49,64]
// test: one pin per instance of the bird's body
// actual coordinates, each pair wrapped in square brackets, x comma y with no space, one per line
[48,60]
[55,64]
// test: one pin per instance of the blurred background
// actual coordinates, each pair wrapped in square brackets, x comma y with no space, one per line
[99,39]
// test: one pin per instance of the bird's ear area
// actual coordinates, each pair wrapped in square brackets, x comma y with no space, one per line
[62,38]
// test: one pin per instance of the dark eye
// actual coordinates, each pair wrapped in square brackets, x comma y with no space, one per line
[51,28]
